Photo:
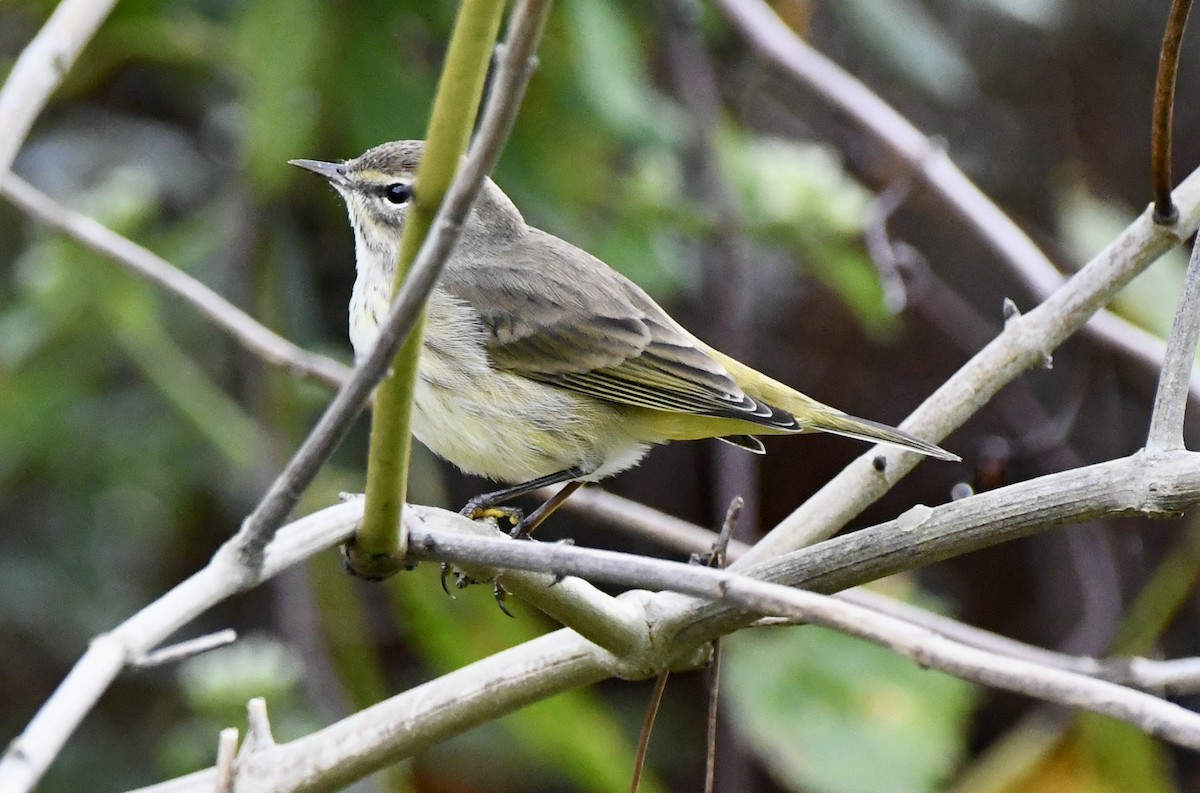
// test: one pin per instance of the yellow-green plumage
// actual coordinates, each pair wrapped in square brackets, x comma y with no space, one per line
[539,358]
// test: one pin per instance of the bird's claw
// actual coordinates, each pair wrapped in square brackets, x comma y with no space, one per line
[500,594]
[461,579]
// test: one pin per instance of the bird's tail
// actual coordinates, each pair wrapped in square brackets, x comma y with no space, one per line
[866,430]
[813,416]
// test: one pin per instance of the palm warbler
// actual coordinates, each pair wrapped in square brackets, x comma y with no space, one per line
[541,364]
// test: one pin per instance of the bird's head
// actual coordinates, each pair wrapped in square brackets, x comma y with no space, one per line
[379,188]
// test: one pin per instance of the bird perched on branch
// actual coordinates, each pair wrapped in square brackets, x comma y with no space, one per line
[541,364]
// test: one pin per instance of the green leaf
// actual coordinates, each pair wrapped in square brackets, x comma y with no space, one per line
[828,713]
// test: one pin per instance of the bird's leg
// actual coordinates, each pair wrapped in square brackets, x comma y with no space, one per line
[525,527]
[487,505]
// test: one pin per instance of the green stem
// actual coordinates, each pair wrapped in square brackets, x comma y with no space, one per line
[458,93]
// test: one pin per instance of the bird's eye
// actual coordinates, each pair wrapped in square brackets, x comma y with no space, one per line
[398,192]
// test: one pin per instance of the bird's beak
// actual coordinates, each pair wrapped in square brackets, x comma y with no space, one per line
[335,172]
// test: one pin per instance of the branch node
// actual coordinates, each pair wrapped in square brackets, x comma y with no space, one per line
[369,566]
[1165,215]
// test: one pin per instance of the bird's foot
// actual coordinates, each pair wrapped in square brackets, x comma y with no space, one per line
[462,581]
[475,511]
[522,527]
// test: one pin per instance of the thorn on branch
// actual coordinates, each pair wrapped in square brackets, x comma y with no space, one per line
[227,742]
[258,731]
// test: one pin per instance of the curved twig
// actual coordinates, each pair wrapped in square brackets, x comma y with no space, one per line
[1164,104]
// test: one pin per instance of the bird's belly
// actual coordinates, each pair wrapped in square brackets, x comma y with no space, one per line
[507,427]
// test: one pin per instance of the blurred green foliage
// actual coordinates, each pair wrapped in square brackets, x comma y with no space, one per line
[827,713]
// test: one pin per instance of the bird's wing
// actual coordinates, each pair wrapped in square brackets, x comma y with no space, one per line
[583,326]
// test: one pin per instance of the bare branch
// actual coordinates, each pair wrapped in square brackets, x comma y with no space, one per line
[1170,403]
[1179,676]
[40,68]
[410,721]
[1165,482]
[247,331]
[608,622]
[1023,344]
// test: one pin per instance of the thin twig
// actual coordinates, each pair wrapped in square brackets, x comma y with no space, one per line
[40,69]
[713,686]
[720,546]
[184,650]
[1164,105]
[647,523]
[643,745]
[1170,402]
[252,335]
[717,560]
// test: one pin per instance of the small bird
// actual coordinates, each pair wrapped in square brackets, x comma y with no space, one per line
[541,364]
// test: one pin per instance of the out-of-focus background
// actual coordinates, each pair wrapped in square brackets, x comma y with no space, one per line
[134,437]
